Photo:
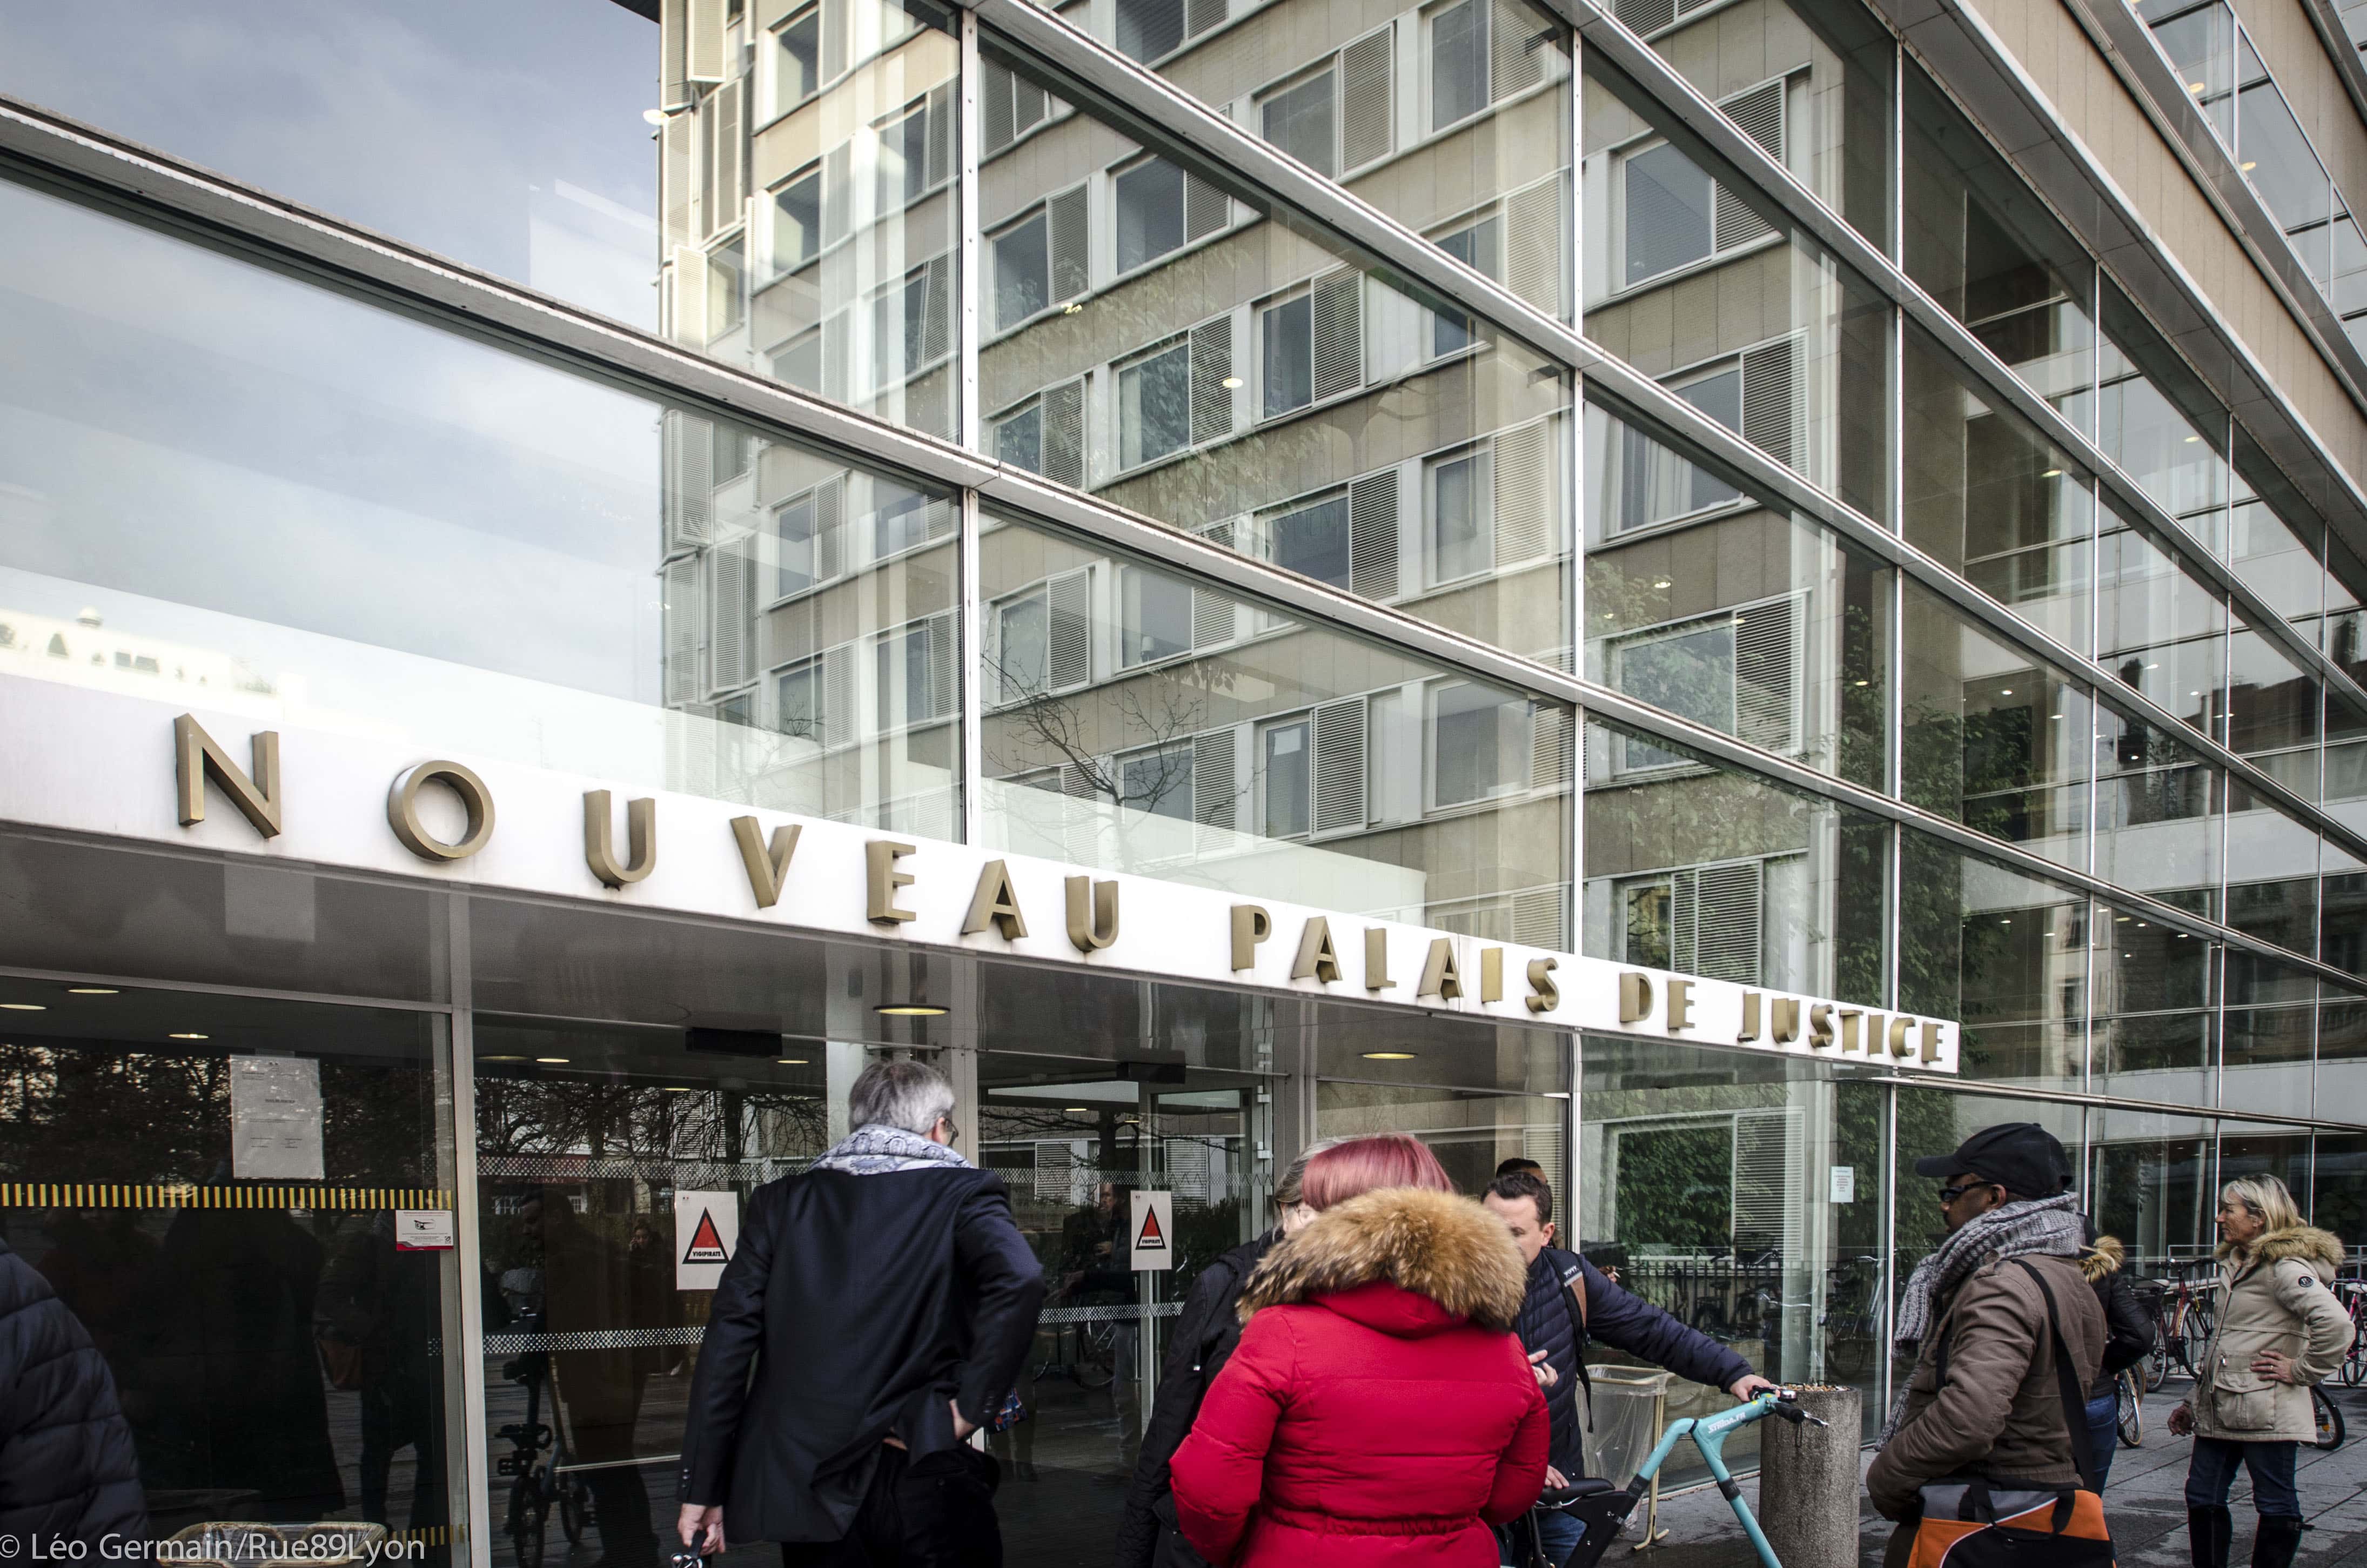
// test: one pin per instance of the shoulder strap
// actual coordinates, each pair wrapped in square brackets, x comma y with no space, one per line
[1573,1301]
[2066,1382]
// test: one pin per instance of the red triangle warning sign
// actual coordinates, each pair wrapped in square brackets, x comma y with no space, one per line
[1152,1238]
[706,1242]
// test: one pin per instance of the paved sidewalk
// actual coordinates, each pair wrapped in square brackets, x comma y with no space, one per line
[2144,1501]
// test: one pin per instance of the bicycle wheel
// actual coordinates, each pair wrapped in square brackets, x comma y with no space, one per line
[2128,1399]
[528,1511]
[574,1509]
[2354,1367]
[2329,1420]
[2156,1364]
[1097,1363]
[1847,1353]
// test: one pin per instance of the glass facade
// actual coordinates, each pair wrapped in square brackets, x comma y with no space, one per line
[851,410]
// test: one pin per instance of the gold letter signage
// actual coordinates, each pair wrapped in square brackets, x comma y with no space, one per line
[1252,924]
[196,758]
[996,903]
[1092,913]
[883,879]
[767,869]
[600,843]
[402,811]
[1318,959]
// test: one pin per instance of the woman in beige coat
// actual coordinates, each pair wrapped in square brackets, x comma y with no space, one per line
[2279,1330]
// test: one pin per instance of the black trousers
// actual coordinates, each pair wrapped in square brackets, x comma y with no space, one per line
[934,1512]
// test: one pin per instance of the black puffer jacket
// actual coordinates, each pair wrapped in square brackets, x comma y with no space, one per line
[2129,1331]
[1204,1339]
[67,1468]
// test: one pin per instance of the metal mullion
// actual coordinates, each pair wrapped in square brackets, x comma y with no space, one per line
[1959,1084]
[970,423]
[351,255]
[387,268]
[973,679]
[469,1243]
[1886,1246]
[1811,214]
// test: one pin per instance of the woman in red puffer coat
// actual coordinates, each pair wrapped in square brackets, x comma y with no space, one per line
[1378,1412]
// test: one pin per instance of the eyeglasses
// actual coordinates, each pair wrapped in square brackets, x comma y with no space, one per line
[1950,1194]
[953,1131]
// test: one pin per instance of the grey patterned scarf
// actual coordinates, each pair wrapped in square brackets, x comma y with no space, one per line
[2042,1226]
[878,1149]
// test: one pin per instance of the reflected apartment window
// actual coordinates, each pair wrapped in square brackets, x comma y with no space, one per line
[1040,261]
[1479,246]
[797,60]
[1480,738]
[1460,537]
[1735,672]
[1668,212]
[1150,29]
[1158,780]
[727,297]
[1161,209]
[1312,345]
[1458,62]
[1656,485]
[1155,406]
[1046,435]
[1302,120]
[1286,776]
[1287,331]
[1042,638]
[916,667]
[797,222]
[1154,615]
[1313,540]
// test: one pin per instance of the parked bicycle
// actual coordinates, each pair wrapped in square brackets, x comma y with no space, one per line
[537,1462]
[2128,1397]
[2354,1363]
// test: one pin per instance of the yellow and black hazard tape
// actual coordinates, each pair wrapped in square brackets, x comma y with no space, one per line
[129,1195]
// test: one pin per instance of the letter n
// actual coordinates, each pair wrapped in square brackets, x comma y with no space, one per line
[198,757]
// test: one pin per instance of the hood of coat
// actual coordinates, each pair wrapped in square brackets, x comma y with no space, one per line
[2304,1242]
[1446,1250]
[2104,1256]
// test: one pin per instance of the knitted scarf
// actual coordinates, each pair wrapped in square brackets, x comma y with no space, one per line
[878,1149]
[2042,1226]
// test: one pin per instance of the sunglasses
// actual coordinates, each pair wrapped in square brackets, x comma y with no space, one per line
[1950,1194]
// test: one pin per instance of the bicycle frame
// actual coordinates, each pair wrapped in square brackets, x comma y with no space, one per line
[1709,1434]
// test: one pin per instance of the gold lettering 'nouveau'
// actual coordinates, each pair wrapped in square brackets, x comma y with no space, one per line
[881,879]
[1783,1020]
[402,811]
[600,844]
[1635,997]
[996,903]
[1681,1004]
[1376,960]
[1440,976]
[1491,974]
[197,757]
[1820,1026]
[768,868]
[1318,959]
[1543,994]
[1931,1032]
[1092,913]
[1899,1045]
[1750,1029]
[1252,924]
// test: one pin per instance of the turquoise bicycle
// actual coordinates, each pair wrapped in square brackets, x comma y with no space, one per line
[1603,1508]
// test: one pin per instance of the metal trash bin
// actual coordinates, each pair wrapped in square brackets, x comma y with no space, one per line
[1629,1411]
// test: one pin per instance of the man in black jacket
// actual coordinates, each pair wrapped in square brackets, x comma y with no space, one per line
[885,1299]
[1571,1303]
[68,1470]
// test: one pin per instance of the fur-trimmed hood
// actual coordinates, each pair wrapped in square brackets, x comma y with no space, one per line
[2305,1243]
[1435,1245]
[2104,1256]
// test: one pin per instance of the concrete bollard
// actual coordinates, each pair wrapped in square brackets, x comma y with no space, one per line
[1808,1481]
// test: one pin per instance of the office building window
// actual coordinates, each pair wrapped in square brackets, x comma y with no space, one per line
[1287,776]
[1460,541]
[1458,62]
[1161,208]
[1150,29]
[1040,261]
[1154,615]
[1303,120]
[797,222]
[797,60]
[1288,332]
[1479,246]
[1480,738]
[1313,540]
[1155,406]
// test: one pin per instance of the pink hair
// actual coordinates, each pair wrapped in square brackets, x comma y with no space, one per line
[1361,1164]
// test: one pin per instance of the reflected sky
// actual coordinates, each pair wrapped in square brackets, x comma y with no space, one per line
[508,136]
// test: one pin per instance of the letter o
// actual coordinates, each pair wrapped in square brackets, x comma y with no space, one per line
[402,811]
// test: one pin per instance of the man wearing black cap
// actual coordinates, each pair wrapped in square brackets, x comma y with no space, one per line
[1981,1302]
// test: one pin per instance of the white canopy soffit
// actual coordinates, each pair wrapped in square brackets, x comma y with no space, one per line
[102,763]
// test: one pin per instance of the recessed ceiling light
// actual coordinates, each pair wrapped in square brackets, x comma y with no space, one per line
[790,1061]
[2005,691]
[1081,1110]
[2120,919]
[552,1060]
[1230,383]
[501,1058]
[2194,87]
[911,1010]
[677,1088]
[1865,683]
[24,1007]
[2052,473]
[2249,168]
[2191,440]
[188,1037]
[2005,922]
[93,991]
[1388,1056]
[1660,582]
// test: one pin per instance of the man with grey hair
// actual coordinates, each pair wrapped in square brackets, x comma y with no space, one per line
[884,1301]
